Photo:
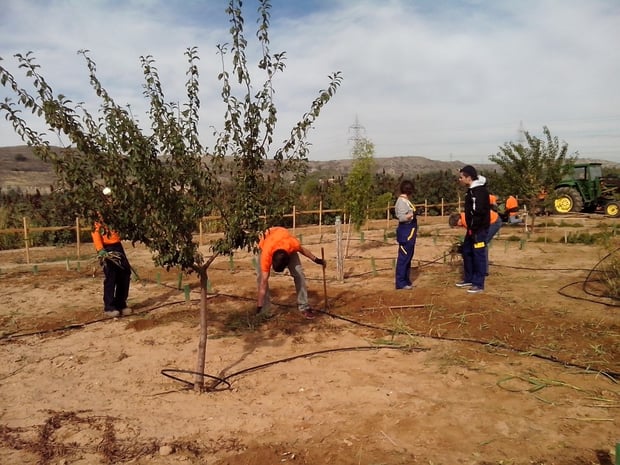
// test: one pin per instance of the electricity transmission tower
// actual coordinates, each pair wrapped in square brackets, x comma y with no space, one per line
[358,130]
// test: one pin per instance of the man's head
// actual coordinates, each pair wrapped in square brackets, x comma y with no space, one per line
[454,219]
[406,187]
[467,175]
[280,260]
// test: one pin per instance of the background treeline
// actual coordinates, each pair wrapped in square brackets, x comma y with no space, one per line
[54,209]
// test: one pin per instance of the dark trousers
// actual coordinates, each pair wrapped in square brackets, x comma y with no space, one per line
[406,234]
[475,258]
[116,280]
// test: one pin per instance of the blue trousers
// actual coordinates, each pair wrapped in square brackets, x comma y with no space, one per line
[406,234]
[475,258]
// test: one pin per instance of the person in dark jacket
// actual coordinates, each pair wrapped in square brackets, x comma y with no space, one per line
[477,219]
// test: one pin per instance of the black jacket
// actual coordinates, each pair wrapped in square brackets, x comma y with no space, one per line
[477,206]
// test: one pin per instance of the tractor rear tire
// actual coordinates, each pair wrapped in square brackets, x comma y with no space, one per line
[612,209]
[567,200]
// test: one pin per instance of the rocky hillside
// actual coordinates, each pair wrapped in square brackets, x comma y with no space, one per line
[20,168]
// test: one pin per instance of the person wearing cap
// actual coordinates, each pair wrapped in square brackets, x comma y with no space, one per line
[477,220]
[279,249]
[116,267]
[406,234]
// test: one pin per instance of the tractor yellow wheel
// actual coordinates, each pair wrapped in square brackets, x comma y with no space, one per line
[612,209]
[563,204]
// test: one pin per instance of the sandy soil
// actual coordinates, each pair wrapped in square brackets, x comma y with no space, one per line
[525,373]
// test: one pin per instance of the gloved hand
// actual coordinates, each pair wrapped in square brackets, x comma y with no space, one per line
[102,253]
[320,261]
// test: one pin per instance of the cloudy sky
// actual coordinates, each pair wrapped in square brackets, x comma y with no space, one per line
[443,79]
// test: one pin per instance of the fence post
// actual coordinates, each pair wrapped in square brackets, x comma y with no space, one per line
[339,258]
[442,211]
[293,219]
[320,215]
[200,232]
[77,237]
[425,208]
[26,239]
[387,216]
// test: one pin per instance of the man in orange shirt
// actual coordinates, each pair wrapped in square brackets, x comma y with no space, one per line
[278,249]
[116,267]
[512,210]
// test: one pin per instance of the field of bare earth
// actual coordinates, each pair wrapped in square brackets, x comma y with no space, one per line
[524,373]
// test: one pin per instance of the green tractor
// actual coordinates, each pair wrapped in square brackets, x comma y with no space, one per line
[586,190]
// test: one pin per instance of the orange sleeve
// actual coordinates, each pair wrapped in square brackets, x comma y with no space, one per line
[97,238]
[102,236]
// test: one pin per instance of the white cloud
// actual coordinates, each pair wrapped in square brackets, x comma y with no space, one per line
[436,79]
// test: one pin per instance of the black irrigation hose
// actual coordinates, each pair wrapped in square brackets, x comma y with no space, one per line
[611,374]
[218,381]
[166,372]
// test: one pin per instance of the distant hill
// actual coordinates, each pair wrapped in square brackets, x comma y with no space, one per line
[20,168]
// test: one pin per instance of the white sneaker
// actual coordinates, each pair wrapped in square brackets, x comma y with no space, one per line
[463,284]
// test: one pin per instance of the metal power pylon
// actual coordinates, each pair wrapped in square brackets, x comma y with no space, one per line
[357,129]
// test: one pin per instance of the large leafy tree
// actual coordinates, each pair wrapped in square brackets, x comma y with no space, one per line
[164,180]
[533,168]
[360,181]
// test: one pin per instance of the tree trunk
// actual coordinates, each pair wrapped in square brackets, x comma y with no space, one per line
[202,344]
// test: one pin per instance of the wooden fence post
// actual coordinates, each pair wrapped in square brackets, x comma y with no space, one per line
[339,257]
[320,215]
[26,240]
[77,237]
[294,219]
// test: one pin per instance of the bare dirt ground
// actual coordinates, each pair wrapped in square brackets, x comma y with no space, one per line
[525,373]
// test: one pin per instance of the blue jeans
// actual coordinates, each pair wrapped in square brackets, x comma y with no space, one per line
[475,258]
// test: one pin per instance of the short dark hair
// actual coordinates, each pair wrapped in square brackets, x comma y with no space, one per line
[280,260]
[406,187]
[470,171]
[453,219]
